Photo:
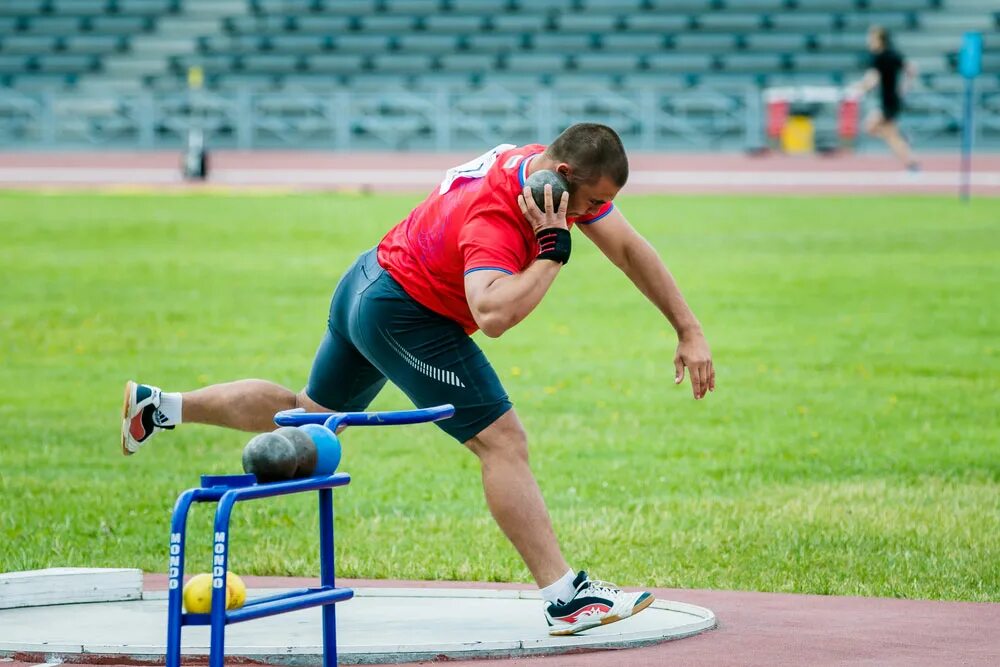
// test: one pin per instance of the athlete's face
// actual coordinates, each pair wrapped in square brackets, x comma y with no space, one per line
[588,198]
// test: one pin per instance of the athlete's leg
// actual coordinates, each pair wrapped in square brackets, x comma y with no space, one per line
[246,405]
[897,144]
[514,498]
[873,123]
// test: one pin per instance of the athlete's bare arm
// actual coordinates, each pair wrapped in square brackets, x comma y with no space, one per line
[633,254]
[497,300]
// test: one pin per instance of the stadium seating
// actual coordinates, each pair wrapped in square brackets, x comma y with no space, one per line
[479,45]
[587,53]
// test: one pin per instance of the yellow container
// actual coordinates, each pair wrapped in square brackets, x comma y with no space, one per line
[797,136]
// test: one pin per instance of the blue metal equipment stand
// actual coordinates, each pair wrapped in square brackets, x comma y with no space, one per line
[227,490]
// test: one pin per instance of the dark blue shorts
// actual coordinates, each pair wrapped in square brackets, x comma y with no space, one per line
[377,332]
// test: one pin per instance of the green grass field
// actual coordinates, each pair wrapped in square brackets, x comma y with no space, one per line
[852,446]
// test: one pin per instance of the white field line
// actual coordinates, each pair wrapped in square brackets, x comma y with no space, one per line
[424,178]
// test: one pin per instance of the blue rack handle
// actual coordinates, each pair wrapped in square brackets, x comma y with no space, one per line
[332,420]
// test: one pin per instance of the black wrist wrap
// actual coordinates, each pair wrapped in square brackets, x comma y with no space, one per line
[555,244]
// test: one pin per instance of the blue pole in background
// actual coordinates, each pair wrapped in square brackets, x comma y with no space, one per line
[969,64]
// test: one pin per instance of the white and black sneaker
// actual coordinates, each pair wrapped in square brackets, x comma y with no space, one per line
[594,603]
[141,419]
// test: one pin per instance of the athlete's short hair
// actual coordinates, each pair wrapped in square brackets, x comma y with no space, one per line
[593,150]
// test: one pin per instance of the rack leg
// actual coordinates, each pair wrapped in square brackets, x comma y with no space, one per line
[326,575]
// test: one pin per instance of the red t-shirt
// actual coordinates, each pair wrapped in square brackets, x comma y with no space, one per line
[469,223]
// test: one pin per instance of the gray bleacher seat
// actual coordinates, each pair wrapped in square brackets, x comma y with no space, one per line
[55,25]
[420,43]
[378,83]
[529,82]
[752,62]
[688,6]
[850,42]
[621,6]
[588,82]
[119,25]
[347,7]
[14,64]
[804,79]
[8,25]
[534,62]
[145,7]
[210,63]
[408,63]
[496,42]
[670,22]
[412,6]
[22,7]
[935,64]
[544,6]
[834,6]
[270,62]
[890,20]
[328,25]
[362,43]
[726,22]
[80,7]
[810,22]
[519,23]
[638,81]
[789,42]
[384,23]
[310,82]
[66,62]
[468,62]
[28,44]
[614,63]
[756,5]
[701,42]
[450,81]
[232,43]
[300,43]
[97,44]
[638,42]
[282,6]
[255,81]
[904,5]
[450,23]
[338,63]
[475,6]
[598,23]
[562,42]
[679,62]
[828,62]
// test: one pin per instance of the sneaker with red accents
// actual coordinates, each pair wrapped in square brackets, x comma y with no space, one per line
[141,419]
[594,603]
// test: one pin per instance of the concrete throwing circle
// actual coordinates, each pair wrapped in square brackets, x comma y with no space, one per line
[378,626]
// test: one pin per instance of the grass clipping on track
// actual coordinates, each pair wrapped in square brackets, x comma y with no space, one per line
[852,446]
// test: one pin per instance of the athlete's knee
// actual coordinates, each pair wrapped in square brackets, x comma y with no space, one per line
[302,400]
[504,438]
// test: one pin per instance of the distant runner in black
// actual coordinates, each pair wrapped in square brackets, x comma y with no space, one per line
[892,74]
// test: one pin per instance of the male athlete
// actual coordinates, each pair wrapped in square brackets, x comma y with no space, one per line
[886,71]
[478,253]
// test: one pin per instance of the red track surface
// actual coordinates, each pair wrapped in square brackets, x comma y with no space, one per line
[418,172]
[769,630]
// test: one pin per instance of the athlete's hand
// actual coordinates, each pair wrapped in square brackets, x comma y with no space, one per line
[539,219]
[693,353]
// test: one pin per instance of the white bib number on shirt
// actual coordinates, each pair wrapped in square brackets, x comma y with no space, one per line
[474,168]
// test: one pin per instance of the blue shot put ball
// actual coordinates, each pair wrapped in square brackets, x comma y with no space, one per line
[537,182]
[327,448]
